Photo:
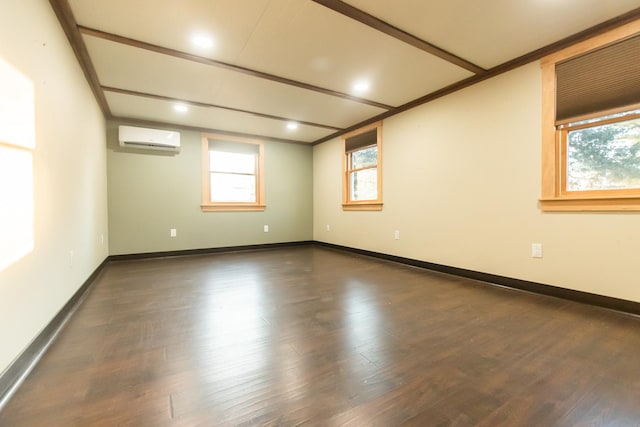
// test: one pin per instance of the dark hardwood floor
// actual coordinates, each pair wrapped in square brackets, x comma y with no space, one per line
[313,336]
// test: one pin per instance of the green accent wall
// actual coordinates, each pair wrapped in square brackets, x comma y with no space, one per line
[151,192]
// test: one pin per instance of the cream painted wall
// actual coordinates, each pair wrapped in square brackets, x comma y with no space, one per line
[150,193]
[461,183]
[69,177]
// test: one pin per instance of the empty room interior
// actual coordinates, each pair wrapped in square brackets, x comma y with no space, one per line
[319,212]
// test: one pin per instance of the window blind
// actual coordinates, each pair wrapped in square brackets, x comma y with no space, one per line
[599,80]
[233,147]
[362,140]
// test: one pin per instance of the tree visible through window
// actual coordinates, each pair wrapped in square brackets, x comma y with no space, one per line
[591,124]
[604,156]
[362,186]
[363,174]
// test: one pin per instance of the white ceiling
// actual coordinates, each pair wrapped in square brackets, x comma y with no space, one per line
[275,61]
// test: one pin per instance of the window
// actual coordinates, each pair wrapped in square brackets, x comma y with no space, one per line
[232,173]
[362,172]
[602,154]
[591,124]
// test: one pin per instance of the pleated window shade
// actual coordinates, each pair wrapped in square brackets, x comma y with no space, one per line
[233,147]
[362,140]
[604,79]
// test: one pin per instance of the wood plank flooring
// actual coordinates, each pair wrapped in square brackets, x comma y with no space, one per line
[313,336]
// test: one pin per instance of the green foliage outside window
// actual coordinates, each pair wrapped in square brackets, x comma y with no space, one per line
[604,157]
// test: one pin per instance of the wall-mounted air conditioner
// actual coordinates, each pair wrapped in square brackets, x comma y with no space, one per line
[148,139]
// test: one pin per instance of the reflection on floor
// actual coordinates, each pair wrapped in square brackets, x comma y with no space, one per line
[312,335]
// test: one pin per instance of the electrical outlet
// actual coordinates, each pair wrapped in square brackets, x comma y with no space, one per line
[102,239]
[328,227]
[536,250]
[396,234]
[266,228]
[173,232]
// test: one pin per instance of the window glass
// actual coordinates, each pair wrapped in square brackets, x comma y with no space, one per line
[222,161]
[365,157]
[232,173]
[362,169]
[604,157]
[364,185]
[227,187]
[591,124]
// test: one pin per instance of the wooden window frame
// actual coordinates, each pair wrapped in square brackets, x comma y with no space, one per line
[554,197]
[361,205]
[209,206]
[563,132]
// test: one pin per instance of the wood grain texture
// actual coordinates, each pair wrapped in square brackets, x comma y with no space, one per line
[314,336]
[14,374]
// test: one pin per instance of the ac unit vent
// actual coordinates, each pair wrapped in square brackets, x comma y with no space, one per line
[148,139]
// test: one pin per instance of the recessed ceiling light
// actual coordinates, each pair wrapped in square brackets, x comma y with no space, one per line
[180,108]
[361,86]
[292,126]
[202,42]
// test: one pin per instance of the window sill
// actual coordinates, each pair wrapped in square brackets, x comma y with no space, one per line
[374,206]
[581,203]
[232,207]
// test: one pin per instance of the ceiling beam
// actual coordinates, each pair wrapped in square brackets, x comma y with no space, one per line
[68,23]
[236,68]
[207,105]
[497,70]
[380,25]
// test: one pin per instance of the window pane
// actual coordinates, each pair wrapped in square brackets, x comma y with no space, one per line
[365,157]
[364,184]
[228,187]
[604,157]
[223,161]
